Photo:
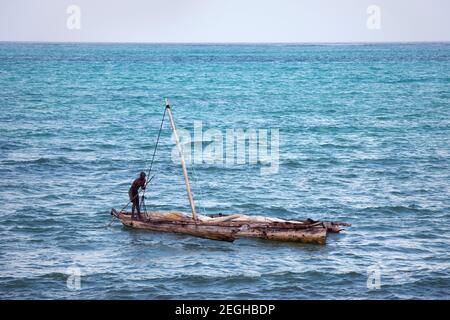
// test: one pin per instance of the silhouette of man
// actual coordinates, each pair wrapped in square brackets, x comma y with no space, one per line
[133,193]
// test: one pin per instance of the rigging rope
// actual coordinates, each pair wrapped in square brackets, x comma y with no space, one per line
[151,163]
[156,146]
[198,186]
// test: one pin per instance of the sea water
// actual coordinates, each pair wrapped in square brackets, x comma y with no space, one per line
[364,138]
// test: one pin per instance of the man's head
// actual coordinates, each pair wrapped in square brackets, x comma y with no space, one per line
[142,175]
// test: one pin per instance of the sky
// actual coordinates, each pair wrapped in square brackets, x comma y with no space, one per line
[225,20]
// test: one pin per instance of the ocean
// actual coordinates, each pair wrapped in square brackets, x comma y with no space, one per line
[364,138]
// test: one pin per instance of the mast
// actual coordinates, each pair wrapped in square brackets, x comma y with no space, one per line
[183,164]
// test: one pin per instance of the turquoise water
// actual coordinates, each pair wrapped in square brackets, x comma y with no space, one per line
[364,138]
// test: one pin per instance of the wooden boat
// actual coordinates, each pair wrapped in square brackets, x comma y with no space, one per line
[232,227]
[227,227]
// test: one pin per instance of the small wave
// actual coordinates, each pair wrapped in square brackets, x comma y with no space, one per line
[220,247]
[73,149]
[12,145]
[338,146]
[306,162]
[221,275]
[23,282]
[106,146]
[397,209]
[38,161]
[410,80]
[293,163]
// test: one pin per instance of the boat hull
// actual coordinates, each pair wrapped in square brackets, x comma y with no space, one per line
[307,232]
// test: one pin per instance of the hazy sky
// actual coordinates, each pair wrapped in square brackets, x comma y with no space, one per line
[225,20]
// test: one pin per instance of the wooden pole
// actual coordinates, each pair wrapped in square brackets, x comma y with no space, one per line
[183,164]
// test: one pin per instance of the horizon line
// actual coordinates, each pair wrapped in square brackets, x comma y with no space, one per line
[228,43]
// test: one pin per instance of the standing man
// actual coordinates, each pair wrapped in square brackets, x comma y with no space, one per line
[133,193]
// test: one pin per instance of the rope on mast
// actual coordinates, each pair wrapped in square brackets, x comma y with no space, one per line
[197,184]
[151,163]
